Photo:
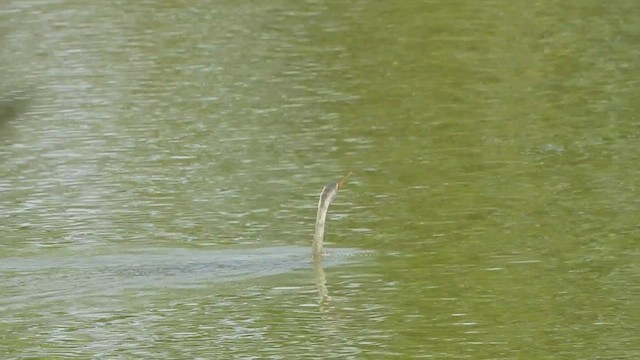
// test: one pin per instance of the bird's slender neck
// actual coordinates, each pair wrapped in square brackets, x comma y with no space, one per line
[318,236]
[329,193]
[326,197]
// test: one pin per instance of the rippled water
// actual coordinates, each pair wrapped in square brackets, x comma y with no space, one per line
[160,164]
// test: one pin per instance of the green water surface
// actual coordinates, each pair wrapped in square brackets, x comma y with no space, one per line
[160,163]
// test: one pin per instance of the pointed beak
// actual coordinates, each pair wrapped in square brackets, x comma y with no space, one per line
[343,182]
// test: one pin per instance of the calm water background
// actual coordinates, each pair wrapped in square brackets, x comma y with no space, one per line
[160,163]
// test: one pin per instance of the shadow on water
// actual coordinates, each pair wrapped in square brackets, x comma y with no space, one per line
[13,104]
[52,279]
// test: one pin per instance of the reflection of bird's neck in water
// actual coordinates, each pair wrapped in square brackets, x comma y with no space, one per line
[329,193]
[321,281]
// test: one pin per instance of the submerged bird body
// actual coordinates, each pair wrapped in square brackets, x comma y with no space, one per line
[328,194]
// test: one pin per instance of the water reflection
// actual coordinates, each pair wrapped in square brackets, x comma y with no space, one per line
[150,269]
[228,295]
[321,281]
